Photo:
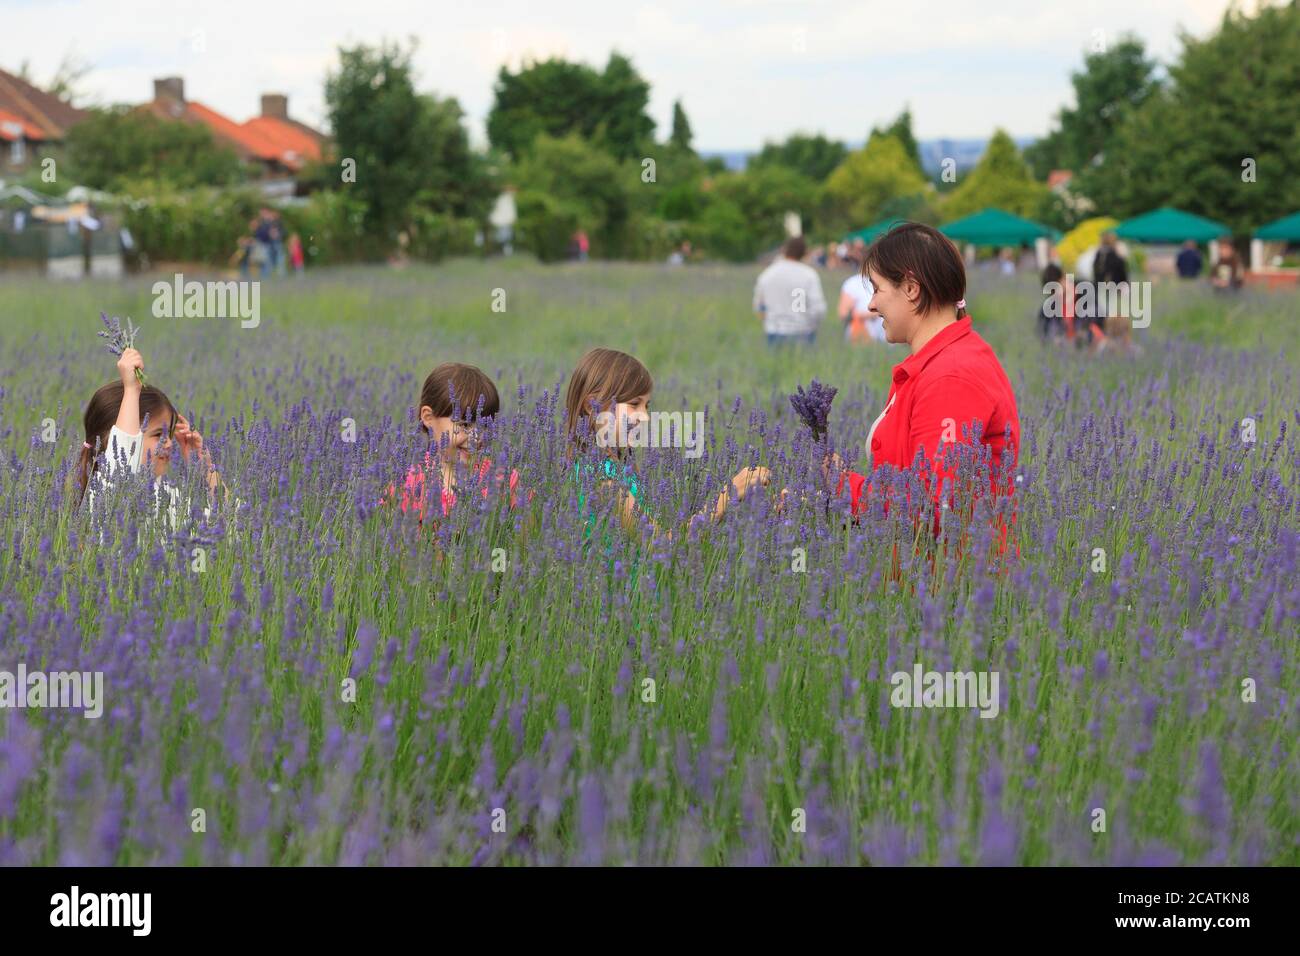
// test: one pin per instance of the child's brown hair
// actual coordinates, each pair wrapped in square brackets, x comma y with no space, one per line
[456,389]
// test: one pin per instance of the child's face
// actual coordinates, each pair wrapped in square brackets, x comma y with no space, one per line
[456,441]
[632,412]
[157,446]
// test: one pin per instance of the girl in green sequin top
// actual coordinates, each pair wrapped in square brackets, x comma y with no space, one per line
[609,388]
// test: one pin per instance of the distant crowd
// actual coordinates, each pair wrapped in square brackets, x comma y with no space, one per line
[265,251]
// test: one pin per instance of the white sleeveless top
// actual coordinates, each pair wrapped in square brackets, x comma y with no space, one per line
[872,432]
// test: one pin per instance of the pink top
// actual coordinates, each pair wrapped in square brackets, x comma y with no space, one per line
[413,488]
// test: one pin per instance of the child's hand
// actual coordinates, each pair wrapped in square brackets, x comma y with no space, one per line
[191,442]
[130,365]
[746,478]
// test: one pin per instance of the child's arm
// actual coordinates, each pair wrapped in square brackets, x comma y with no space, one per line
[128,415]
[126,437]
[744,480]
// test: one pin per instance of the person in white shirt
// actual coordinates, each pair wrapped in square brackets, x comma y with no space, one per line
[860,323]
[788,297]
[129,424]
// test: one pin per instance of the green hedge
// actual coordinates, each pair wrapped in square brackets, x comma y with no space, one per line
[205,225]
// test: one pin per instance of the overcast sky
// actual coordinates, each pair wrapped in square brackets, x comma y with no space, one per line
[746,70]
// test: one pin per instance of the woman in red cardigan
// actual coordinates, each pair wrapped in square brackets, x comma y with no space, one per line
[951,391]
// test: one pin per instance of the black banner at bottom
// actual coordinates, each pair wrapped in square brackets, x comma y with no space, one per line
[340,906]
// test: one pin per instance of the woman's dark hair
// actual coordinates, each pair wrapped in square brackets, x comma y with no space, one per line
[455,389]
[925,255]
[101,416]
[604,377]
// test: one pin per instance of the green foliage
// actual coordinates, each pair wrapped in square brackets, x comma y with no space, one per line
[861,189]
[557,98]
[545,224]
[814,157]
[901,130]
[331,226]
[201,225]
[1231,97]
[589,189]
[723,232]
[764,195]
[1112,84]
[411,150]
[115,147]
[1000,179]
[681,135]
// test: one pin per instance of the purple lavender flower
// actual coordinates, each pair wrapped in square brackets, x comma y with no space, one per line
[120,339]
[814,406]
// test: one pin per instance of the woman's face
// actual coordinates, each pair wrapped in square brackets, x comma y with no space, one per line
[895,304]
[157,446]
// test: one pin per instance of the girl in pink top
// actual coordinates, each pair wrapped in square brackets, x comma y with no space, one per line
[454,398]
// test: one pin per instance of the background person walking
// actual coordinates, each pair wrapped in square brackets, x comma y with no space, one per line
[788,297]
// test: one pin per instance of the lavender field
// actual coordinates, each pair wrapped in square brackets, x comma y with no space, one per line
[528,692]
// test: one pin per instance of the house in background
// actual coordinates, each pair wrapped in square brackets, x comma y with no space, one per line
[278,145]
[33,124]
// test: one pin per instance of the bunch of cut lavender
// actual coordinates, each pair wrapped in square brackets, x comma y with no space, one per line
[814,406]
[120,339]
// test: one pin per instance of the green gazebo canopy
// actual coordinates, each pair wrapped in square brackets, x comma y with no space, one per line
[1286,229]
[996,227]
[872,233]
[1170,225]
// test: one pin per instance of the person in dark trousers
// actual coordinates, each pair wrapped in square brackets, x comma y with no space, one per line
[1109,266]
[1189,261]
[1051,313]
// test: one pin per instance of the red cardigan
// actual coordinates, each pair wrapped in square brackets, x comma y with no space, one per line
[953,382]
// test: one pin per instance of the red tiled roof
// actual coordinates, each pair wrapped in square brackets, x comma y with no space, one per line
[291,141]
[47,113]
[28,131]
[1058,176]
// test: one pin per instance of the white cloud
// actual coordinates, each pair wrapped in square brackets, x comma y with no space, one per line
[737,64]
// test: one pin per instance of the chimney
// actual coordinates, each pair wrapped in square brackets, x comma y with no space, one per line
[169,88]
[275,106]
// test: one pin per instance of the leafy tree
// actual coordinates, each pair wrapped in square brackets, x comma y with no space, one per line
[1111,85]
[723,231]
[113,148]
[901,130]
[410,150]
[681,134]
[764,195]
[1230,101]
[66,83]
[860,189]
[584,188]
[814,157]
[556,98]
[999,179]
